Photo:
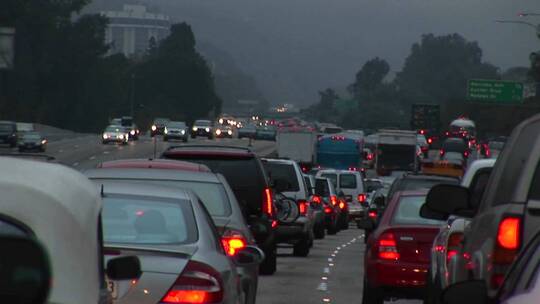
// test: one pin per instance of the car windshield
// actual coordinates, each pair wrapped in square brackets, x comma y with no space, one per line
[408,212]
[114,129]
[286,172]
[6,128]
[322,188]
[32,136]
[178,125]
[148,221]
[203,123]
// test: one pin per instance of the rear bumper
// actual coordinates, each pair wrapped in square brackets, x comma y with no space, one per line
[393,275]
[291,233]
[357,214]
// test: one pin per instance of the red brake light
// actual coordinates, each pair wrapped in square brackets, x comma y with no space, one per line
[388,247]
[430,140]
[302,206]
[341,205]
[327,210]
[370,156]
[233,242]
[372,214]
[454,243]
[268,207]
[422,132]
[333,200]
[198,283]
[361,198]
[508,235]
[316,199]
[466,154]
[441,152]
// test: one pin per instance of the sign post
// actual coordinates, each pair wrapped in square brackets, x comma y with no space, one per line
[495,91]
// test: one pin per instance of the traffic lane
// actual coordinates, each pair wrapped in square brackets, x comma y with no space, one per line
[332,273]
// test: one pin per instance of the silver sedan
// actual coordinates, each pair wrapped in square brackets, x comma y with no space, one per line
[172,234]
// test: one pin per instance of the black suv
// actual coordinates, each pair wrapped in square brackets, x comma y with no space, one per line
[247,178]
[8,133]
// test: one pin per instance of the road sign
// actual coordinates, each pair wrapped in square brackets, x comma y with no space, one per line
[495,91]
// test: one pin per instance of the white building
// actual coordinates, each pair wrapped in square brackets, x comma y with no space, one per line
[131,29]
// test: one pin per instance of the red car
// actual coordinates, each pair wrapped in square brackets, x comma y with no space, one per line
[398,252]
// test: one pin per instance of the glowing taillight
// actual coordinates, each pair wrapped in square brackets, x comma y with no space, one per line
[388,247]
[370,156]
[506,248]
[316,199]
[268,207]
[441,152]
[333,200]
[508,234]
[466,154]
[341,205]
[198,283]
[372,214]
[430,140]
[302,207]
[453,246]
[327,210]
[361,198]
[233,242]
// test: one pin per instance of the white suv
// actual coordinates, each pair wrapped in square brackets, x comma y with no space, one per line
[352,185]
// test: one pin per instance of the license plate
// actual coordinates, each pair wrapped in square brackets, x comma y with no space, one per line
[113,288]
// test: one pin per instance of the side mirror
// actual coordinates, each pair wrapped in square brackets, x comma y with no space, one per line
[288,210]
[428,213]
[449,199]
[26,272]
[124,268]
[281,185]
[473,292]
[251,255]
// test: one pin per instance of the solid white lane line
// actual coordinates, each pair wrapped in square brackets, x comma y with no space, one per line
[92,157]
[75,164]
[323,286]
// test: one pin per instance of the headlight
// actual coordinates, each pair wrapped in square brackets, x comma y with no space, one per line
[121,136]
[183,132]
[154,127]
[207,129]
[43,141]
[132,132]
[229,132]
[218,132]
[165,131]
[195,129]
[221,120]
[105,136]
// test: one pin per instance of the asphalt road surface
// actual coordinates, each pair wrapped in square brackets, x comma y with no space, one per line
[333,271]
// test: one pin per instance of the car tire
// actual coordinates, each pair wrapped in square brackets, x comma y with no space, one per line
[371,295]
[301,249]
[332,229]
[269,265]
[319,232]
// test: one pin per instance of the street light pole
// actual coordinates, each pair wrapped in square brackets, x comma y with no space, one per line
[132,97]
[536,27]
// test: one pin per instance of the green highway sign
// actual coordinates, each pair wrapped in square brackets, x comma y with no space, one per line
[495,91]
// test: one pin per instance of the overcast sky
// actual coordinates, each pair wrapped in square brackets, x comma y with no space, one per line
[296,47]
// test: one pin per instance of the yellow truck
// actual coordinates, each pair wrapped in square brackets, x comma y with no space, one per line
[443,167]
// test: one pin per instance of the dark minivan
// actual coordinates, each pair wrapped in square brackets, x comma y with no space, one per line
[248,180]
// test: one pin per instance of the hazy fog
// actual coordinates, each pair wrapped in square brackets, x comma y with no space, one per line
[296,47]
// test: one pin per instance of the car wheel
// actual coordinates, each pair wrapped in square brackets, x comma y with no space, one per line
[269,265]
[301,249]
[319,232]
[371,295]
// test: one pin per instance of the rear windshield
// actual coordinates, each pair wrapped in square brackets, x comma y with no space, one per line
[284,172]
[32,136]
[113,129]
[148,221]
[321,188]
[176,125]
[408,212]
[309,185]
[244,175]
[347,181]
[419,184]
[332,177]
[455,145]
[373,185]
[496,145]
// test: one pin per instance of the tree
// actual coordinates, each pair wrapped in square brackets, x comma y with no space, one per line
[369,78]
[438,68]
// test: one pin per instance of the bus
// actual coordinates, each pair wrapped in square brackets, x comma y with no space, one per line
[342,151]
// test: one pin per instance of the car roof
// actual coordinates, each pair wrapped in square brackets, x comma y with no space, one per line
[421,192]
[151,174]
[157,191]
[337,171]
[150,163]
[474,167]
[62,208]
[279,161]
[209,150]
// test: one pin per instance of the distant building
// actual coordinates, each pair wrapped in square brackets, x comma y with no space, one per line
[130,30]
